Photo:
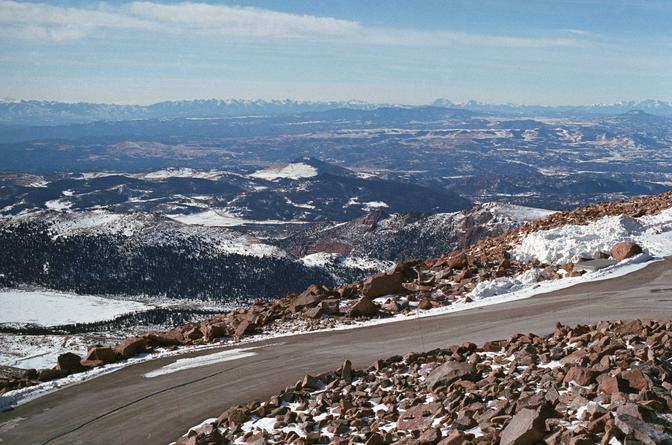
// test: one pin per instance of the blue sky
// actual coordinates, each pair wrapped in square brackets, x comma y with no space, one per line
[521,51]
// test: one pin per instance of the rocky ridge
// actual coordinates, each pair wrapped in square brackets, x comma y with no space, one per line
[606,383]
[416,285]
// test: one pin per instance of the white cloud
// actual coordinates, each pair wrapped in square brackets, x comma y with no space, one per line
[40,21]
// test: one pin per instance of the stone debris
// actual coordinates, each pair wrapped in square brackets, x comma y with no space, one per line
[615,388]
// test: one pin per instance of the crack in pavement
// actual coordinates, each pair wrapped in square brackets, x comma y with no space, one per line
[133,402]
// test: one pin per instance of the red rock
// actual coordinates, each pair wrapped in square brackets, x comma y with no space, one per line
[192,332]
[364,307]
[420,417]
[610,385]
[244,328]
[308,298]
[100,355]
[622,251]
[528,426]
[456,437]
[581,376]
[449,372]
[636,379]
[161,339]
[457,261]
[46,375]
[383,284]
[131,347]
[215,330]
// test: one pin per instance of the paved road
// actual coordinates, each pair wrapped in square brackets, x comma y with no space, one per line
[125,407]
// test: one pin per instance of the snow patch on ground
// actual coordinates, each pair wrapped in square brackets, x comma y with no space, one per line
[212,175]
[203,360]
[58,204]
[571,242]
[49,308]
[221,218]
[39,351]
[289,171]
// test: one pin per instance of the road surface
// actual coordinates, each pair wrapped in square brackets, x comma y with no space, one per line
[126,407]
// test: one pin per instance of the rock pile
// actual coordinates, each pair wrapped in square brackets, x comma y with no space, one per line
[606,383]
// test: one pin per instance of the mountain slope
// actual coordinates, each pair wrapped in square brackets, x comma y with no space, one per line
[400,237]
[101,252]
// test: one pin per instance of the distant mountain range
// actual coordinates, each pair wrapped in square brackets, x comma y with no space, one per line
[650,106]
[37,112]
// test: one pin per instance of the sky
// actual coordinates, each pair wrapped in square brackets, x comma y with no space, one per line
[409,52]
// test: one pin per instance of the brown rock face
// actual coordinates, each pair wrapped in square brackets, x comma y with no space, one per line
[383,284]
[449,372]
[364,307]
[70,363]
[624,250]
[528,426]
[131,347]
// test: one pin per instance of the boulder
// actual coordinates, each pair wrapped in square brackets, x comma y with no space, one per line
[235,415]
[624,250]
[99,356]
[612,384]
[192,332]
[527,426]
[215,330]
[69,362]
[636,379]
[364,307]
[308,298]
[313,312]
[162,339]
[46,375]
[456,437]
[383,284]
[581,376]
[420,417]
[131,347]
[243,328]
[449,372]
[458,261]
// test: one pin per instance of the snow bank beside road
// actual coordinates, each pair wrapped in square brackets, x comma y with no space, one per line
[569,243]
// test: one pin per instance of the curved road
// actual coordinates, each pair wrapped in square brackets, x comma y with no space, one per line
[125,407]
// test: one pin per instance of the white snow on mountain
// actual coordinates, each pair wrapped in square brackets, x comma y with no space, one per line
[182,173]
[217,218]
[571,242]
[296,170]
